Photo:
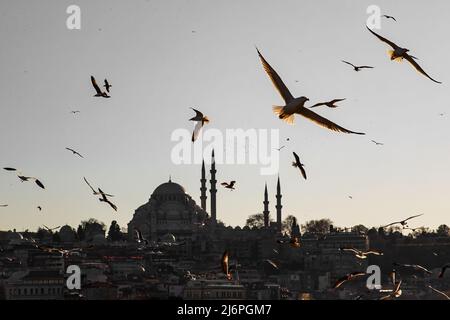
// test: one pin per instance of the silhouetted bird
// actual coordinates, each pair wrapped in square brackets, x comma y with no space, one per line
[389,17]
[398,54]
[229,185]
[51,229]
[75,152]
[361,254]
[39,208]
[403,223]
[296,105]
[105,199]
[279,149]
[75,112]
[348,277]
[99,92]
[377,143]
[200,120]
[329,104]
[107,86]
[357,68]
[96,193]
[298,164]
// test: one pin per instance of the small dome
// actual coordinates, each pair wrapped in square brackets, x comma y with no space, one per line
[170,187]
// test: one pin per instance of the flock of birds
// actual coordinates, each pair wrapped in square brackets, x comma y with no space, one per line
[292,106]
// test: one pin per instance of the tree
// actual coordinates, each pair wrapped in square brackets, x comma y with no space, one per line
[89,228]
[443,230]
[286,225]
[360,229]
[255,221]
[56,238]
[114,233]
[80,233]
[321,226]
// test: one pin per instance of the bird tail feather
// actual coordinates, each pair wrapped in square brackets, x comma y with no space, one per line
[278,110]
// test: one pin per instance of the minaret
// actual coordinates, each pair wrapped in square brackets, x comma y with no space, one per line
[203,196]
[278,206]
[266,208]
[213,189]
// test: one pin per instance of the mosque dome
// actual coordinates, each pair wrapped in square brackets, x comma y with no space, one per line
[169,188]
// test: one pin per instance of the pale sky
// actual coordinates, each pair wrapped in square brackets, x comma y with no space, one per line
[159,68]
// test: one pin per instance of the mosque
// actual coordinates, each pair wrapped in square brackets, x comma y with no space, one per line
[172,215]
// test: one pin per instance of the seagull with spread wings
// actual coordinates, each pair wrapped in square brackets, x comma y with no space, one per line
[75,152]
[229,185]
[361,254]
[403,223]
[297,164]
[357,68]
[377,143]
[99,92]
[296,105]
[51,229]
[348,277]
[96,193]
[329,104]
[200,120]
[399,53]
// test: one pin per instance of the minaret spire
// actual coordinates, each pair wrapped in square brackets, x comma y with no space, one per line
[213,189]
[279,206]
[203,196]
[266,208]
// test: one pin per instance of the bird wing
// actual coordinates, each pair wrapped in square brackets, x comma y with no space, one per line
[232,183]
[349,63]
[224,263]
[276,80]
[297,159]
[336,101]
[111,204]
[196,132]
[393,45]
[224,184]
[365,67]
[302,170]
[340,282]
[95,85]
[413,217]
[318,105]
[93,190]
[391,224]
[198,114]
[440,292]
[272,264]
[324,122]
[39,183]
[413,62]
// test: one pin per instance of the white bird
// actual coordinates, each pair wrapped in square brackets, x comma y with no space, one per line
[296,105]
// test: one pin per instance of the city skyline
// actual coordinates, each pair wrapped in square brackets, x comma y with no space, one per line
[177,59]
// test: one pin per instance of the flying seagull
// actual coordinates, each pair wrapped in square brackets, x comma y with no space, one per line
[397,292]
[357,68]
[200,120]
[75,152]
[96,193]
[107,86]
[329,104]
[24,178]
[99,92]
[51,229]
[403,223]
[39,208]
[139,237]
[413,267]
[75,111]
[377,143]
[273,264]
[105,199]
[225,265]
[279,149]
[398,54]
[389,17]
[444,268]
[439,292]
[229,185]
[298,164]
[361,254]
[296,105]
[348,277]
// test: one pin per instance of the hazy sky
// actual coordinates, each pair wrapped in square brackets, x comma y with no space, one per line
[159,68]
